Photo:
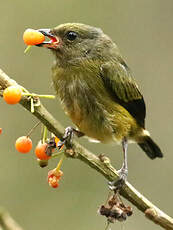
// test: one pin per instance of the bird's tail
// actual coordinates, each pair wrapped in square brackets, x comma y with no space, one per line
[150,147]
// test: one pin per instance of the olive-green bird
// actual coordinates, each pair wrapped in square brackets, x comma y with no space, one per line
[97,90]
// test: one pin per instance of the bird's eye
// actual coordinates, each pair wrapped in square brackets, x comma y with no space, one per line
[71,35]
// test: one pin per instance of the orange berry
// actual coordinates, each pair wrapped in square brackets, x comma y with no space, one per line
[0,130]
[12,94]
[40,151]
[33,37]
[23,144]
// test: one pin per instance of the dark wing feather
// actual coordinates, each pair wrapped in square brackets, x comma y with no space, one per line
[124,90]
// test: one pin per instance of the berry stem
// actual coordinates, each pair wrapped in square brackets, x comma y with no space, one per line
[32,105]
[44,134]
[39,95]
[60,163]
[24,90]
[27,49]
[55,155]
[107,225]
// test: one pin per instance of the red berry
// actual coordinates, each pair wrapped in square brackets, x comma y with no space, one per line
[53,182]
[40,151]
[0,130]
[55,173]
[23,144]
[54,177]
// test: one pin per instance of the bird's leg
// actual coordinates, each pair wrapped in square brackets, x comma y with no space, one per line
[68,136]
[123,172]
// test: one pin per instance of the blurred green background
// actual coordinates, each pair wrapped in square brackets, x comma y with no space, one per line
[143,31]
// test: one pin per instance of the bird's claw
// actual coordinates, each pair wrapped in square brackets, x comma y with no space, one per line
[117,184]
[68,134]
[123,173]
[67,138]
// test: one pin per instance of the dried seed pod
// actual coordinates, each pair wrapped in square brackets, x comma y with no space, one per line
[115,209]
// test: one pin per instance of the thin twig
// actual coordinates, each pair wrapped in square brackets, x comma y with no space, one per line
[104,167]
[33,128]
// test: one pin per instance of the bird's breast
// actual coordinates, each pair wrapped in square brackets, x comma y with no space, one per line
[87,112]
[83,98]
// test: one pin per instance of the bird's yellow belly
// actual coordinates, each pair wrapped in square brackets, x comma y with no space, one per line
[91,125]
[102,125]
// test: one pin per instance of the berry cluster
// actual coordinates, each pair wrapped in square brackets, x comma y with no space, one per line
[53,178]
[46,146]
[24,145]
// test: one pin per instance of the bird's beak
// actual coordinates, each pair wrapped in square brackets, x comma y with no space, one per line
[53,43]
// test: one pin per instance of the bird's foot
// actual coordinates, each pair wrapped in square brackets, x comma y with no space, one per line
[117,184]
[123,173]
[68,136]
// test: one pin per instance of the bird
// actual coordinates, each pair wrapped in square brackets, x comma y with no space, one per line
[97,89]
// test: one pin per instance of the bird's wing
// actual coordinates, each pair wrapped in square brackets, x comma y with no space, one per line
[124,90]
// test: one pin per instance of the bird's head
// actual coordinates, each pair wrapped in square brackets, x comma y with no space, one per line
[72,42]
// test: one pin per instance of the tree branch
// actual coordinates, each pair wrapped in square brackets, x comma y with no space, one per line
[102,166]
[7,222]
